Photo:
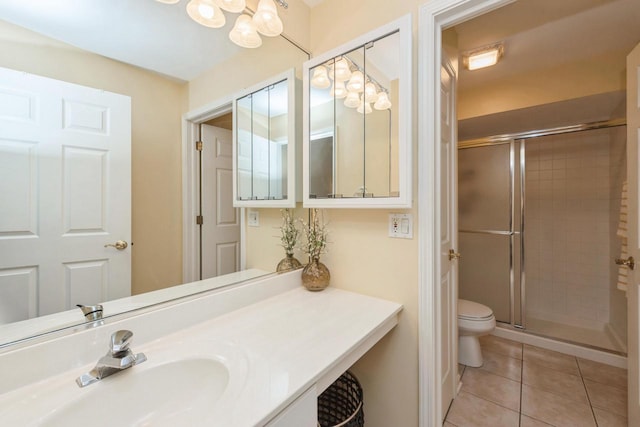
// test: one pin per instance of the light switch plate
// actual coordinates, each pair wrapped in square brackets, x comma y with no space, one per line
[253,218]
[401,226]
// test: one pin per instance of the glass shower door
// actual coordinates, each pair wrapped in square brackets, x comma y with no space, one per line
[486,178]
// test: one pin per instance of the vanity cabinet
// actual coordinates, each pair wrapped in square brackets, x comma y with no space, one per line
[357,122]
[266,132]
[301,413]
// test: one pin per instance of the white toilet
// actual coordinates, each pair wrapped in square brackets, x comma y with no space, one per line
[474,320]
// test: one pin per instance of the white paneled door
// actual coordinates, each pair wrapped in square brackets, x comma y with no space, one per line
[633,296]
[65,179]
[448,291]
[221,223]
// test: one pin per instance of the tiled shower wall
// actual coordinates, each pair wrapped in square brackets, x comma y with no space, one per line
[569,211]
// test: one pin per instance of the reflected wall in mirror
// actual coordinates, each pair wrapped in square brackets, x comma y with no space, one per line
[157,105]
[265,144]
[357,135]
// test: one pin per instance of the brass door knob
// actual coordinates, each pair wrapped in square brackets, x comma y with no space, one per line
[454,255]
[120,245]
[629,262]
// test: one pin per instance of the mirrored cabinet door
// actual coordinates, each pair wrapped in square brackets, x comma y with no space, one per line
[357,136]
[265,144]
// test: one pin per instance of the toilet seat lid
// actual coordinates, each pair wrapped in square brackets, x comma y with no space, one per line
[473,310]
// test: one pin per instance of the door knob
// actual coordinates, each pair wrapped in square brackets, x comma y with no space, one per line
[454,255]
[629,262]
[120,245]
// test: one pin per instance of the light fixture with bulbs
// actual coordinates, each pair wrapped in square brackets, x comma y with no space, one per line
[483,57]
[349,82]
[264,20]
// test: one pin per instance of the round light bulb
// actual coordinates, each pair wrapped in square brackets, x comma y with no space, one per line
[206,13]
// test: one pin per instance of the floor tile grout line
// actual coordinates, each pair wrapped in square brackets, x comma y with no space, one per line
[553,369]
[595,420]
[490,401]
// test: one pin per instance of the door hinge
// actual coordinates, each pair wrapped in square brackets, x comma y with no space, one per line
[198,145]
[199,219]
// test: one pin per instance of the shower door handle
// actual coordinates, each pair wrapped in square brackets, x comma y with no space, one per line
[629,262]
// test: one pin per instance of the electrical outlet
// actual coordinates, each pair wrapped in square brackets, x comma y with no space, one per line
[253,219]
[401,226]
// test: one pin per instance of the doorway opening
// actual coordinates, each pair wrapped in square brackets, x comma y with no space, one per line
[435,19]
[213,229]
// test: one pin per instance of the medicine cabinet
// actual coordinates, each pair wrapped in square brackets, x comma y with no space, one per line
[264,148]
[357,122]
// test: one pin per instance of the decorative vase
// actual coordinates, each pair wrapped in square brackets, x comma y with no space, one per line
[288,263]
[315,275]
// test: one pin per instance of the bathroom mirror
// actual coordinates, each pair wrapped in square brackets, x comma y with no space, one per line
[357,122]
[156,193]
[264,148]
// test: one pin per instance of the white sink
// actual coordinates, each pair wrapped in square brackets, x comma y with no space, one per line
[170,394]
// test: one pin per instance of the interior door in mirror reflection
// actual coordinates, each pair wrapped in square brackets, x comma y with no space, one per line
[220,235]
[65,174]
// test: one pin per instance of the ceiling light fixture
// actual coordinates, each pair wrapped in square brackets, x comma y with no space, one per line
[244,33]
[338,90]
[483,57]
[266,19]
[383,102]
[320,78]
[206,12]
[358,89]
[263,20]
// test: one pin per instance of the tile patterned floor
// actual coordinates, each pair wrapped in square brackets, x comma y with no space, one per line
[520,385]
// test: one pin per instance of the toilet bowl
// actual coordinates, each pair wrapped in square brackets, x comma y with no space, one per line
[474,320]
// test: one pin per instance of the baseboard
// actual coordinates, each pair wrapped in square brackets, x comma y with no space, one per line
[615,337]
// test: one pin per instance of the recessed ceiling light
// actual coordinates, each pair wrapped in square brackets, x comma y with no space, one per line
[483,57]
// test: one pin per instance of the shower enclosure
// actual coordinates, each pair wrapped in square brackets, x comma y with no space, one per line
[538,220]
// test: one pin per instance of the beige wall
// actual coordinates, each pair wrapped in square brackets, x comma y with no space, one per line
[157,104]
[595,75]
[361,257]
[247,68]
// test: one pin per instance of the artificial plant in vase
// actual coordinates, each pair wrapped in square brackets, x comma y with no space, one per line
[288,240]
[315,275]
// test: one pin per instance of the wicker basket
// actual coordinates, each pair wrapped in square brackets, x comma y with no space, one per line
[341,404]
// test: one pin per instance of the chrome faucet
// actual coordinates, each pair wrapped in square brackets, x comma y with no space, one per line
[91,312]
[118,358]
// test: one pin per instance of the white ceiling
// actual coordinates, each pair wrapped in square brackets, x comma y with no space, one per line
[541,34]
[160,37]
[145,33]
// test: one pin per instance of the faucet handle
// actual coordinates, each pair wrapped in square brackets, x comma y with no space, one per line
[120,341]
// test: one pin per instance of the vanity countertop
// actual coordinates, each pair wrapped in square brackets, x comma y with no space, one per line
[275,350]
